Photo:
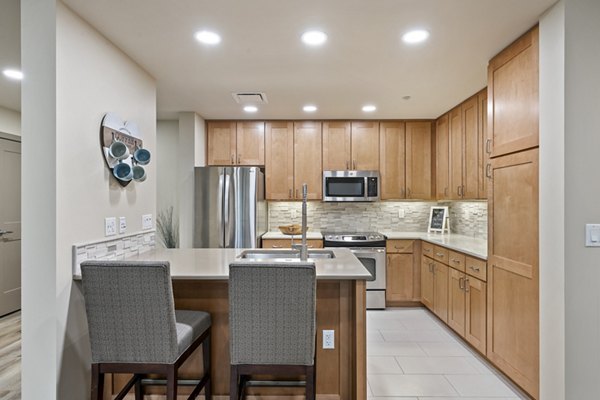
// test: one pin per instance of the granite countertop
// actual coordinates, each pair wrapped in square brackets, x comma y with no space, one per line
[213,264]
[465,244]
[279,235]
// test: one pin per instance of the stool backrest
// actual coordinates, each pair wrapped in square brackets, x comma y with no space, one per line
[272,309]
[130,311]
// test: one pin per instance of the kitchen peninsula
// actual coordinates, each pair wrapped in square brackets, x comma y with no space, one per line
[200,282]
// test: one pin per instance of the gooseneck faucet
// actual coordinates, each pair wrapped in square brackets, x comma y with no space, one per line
[304,246]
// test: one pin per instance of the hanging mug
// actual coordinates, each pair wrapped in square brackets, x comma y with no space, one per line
[123,172]
[118,150]
[139,173]
[141,156]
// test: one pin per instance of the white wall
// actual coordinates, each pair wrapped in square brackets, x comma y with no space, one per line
[10,121]
[582,197]
[81,190]
[552,203]
[167,134]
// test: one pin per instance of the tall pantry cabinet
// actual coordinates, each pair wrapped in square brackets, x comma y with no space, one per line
[513,243]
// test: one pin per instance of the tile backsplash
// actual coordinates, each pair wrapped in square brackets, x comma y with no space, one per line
[467,218]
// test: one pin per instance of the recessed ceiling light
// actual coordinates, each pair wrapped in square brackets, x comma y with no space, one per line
[309,108]
[208,37]
[416,36]
[314,38]
[250,109]
[13,74]
[369,108]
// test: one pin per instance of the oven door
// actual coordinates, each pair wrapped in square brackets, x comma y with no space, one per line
[374,261]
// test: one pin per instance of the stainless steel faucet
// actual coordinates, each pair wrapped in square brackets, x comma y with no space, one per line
[303,247]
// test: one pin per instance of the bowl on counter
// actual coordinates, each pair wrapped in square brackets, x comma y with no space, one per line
[293,229]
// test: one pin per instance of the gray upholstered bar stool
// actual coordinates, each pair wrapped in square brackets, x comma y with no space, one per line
[134,327]
[272,313]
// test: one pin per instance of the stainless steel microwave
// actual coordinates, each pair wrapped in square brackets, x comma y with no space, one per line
[350,185]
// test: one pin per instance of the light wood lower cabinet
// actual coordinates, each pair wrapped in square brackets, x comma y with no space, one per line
[440,290]
[476,313]
[287,243]
[456,301]
[427,282]
[403,272]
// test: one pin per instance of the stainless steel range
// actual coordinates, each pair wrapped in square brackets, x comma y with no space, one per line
[369,248]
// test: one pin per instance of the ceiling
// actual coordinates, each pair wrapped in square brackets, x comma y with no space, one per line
[363,60]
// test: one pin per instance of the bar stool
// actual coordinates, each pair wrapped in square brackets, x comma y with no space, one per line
[134,327]
[272,313]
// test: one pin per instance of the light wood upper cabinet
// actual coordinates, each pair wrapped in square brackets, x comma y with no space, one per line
[308,166]
[485,145]
[456,152]
[250,143]
[513,90]
[365,145]
[279,160]
[337,154]
[513,268]
[419,183]
[221,143]
[392,160]
[442,159]
[231,143]
[471,149]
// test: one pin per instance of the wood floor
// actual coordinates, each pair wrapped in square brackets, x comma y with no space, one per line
[10,357]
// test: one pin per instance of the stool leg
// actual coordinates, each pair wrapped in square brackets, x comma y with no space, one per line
[139,390]
[310,383]
[97,383]
[233,384]
[172,383]
[206,367]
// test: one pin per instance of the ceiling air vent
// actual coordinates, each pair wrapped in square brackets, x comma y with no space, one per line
[250,98]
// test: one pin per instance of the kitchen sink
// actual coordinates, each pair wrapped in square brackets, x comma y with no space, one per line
[288,255]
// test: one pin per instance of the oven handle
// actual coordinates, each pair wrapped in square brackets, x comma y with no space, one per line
[367,249]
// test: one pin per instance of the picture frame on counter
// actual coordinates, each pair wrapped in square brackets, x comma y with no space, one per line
[439,220]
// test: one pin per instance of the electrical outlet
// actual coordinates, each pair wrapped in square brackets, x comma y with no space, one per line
[110,226]
[328,339]
[401,213]
[122,224]
[147,221]
[294,213]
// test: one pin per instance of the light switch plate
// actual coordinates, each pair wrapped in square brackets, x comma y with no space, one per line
[110,226]
[592,235]
[401,213]
[147,221]
[122,224]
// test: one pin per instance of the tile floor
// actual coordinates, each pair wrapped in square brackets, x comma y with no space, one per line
[411,355]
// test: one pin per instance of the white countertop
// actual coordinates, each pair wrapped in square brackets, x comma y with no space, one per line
[279,235]
[213,264]
[465,244]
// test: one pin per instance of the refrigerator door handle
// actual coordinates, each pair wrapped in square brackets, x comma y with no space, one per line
[229,208]
[221,202]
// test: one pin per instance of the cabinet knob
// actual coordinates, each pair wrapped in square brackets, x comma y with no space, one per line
[347,164]
[466,284]
[476,269]
[232,159]
[454,260]
[239,158]
[408,192]
[275,246]
[440,255]
[461,283]
[488,146]
[488,170]
[354,164]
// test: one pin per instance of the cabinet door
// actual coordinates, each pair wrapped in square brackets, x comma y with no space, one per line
[456,301]
[418,160]
[399,277]
[250,143]
[513,77]
[456,153]
[442,158]
[440,291]
[336,146]
[427,282]
[485,145]
[471,148]
[391,152]
[513,268]
[221,143]
[287,243]
[307,159]
[365,146]
[475,316]
[279,160]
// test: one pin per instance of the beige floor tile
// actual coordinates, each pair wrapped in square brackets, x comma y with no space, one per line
[406,335]
[410,385]
[444,349]
[436,365]
[383,365]
[394,349]
[479,385]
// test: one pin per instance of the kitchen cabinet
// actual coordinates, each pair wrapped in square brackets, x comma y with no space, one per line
[456,152]
[308,166]
[476,313]
[442,158]
[440,290]
[279,160]
[351,145]
[456,301]
[513,90]
[392,160]
[513,273]
[403,272]
[419,160]
[485,145]
[287,243]
[427,282]
[236,143]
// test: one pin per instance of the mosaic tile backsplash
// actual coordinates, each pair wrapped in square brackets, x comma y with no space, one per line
[466,218]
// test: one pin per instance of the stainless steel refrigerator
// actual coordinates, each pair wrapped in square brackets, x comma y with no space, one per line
[230,207]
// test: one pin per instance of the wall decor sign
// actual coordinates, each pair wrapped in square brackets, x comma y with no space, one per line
[123,149]
[439,220]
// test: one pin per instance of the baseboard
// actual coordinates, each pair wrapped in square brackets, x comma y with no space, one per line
[250,397]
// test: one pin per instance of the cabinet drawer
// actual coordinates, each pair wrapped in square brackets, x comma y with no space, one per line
[427,249]
[287,243]
[476,267]
[456,260]
[399,246]
[440,254]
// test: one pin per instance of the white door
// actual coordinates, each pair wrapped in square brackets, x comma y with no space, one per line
[10,226]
